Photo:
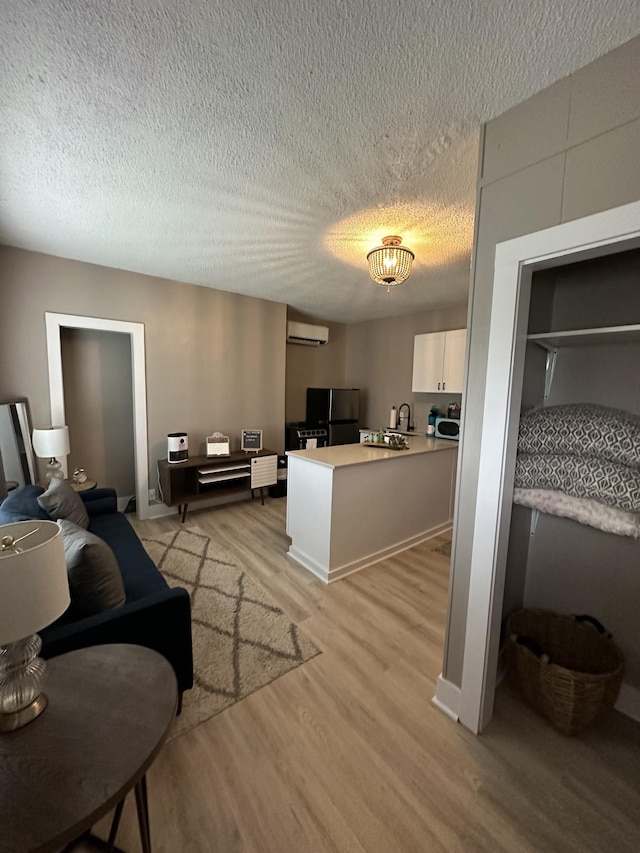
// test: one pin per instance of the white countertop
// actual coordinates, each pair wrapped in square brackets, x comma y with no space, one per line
[357,454]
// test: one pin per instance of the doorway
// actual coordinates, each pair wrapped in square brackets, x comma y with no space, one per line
[98,396]
[55,323]
[602,234]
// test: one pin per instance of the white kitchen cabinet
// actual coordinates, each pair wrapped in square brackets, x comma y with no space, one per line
[438,361]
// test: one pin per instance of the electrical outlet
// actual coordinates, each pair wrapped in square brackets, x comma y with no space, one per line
[152,495]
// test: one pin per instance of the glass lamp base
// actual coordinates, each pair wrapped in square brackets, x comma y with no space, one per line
[21,676]
[17,719]
[54,470]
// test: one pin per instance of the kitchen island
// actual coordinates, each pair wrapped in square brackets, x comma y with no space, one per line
[352,505]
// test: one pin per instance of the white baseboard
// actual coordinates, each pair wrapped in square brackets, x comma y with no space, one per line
[308,563]
[628,702]
[447,698]
[327,575]
[158,510]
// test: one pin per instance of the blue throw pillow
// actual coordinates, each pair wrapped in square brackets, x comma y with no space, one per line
[22,505]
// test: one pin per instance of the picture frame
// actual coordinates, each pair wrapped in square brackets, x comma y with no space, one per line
[251,440]
[218,445]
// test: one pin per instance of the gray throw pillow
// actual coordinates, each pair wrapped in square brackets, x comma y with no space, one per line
[60,501]
[95,582]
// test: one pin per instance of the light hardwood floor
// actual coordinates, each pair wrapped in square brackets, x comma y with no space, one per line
[347,753]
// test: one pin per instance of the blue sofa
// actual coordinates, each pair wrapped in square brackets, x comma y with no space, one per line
[153,615]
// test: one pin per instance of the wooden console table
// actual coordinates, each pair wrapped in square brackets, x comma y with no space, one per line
[108,714]
[201,478]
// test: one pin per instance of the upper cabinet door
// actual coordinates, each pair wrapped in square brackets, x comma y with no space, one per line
[438,362]
[428,362]
[453,373]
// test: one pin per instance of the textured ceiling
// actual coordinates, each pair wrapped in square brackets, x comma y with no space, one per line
[264,147]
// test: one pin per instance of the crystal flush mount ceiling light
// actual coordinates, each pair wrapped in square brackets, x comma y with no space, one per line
[390,264]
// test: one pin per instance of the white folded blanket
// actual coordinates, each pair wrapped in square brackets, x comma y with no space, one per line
[583,510]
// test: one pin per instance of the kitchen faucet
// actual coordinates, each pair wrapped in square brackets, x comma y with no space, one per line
[409,427]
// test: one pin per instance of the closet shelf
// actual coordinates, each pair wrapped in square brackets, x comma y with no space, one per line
[587,337]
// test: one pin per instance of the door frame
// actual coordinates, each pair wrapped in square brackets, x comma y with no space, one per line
[605,233]
[54,323]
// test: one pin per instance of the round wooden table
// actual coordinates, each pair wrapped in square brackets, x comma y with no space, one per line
[108,715]
[83,487]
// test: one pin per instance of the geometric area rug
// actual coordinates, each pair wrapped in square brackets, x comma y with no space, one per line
[241,639]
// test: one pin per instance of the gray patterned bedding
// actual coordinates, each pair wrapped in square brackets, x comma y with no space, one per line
[582,428]
[581,461]
[581,477]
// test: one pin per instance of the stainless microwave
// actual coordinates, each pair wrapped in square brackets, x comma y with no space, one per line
[448,428]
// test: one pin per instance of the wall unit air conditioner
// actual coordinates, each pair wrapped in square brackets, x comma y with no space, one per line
[303,333]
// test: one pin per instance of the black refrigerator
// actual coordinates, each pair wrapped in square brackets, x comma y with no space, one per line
[337,409]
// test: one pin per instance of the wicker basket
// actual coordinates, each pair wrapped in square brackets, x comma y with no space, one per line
[567,667]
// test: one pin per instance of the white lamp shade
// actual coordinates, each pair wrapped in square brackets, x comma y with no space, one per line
[34,588]
[49,443]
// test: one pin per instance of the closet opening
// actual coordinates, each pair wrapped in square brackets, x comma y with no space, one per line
[538,291]
[573,539]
